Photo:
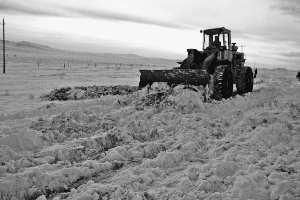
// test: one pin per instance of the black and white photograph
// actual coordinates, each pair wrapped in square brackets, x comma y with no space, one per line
[150,100]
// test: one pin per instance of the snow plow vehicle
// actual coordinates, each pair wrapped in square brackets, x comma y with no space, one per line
[218,66]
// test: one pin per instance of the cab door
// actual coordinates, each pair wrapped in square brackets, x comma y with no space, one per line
[225,48]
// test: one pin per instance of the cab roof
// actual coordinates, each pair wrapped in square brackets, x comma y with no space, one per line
[216,31]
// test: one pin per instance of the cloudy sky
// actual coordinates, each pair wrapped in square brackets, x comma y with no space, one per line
[269,30]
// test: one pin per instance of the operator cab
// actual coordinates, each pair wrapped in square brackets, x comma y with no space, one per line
[222,34]
[217,38]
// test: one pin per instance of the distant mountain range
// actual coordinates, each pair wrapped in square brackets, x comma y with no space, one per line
[40,52]
[25,44]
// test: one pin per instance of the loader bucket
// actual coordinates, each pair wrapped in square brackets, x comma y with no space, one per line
[174,77]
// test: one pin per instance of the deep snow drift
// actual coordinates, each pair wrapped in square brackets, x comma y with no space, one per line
[157,143]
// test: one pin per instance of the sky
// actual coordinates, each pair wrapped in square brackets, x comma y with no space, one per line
[268,30]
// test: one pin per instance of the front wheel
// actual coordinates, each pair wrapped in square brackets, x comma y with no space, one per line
[223,82]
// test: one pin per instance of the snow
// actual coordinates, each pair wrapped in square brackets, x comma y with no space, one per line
[154,143]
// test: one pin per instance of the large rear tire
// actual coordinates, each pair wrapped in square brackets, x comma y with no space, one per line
[223,82]
[245,81]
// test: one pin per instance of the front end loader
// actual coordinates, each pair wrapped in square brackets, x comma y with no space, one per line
[218,65]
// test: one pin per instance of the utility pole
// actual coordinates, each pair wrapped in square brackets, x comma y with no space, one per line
[3,48]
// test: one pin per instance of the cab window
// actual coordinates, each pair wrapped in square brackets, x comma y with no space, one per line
[210,40]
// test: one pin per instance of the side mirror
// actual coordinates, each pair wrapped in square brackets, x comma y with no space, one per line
[201,31]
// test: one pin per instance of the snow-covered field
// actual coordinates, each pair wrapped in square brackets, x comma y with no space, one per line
[147,145]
